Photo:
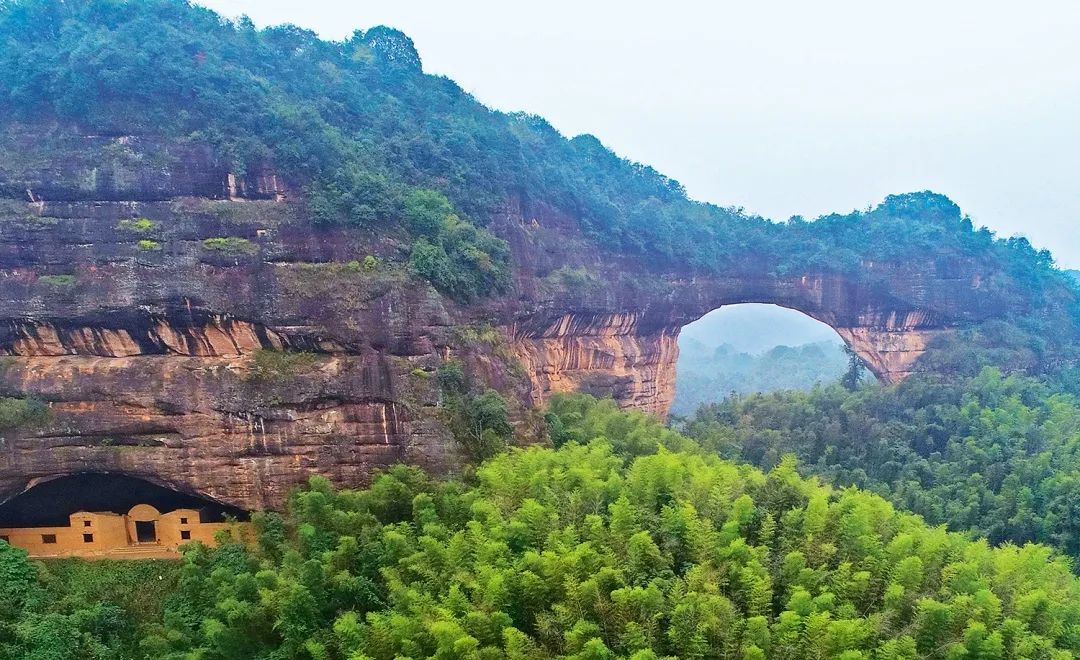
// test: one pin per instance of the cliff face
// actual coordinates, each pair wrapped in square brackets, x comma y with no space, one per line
[141,283]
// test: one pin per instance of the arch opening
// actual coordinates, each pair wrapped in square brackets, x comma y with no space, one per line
[755,347]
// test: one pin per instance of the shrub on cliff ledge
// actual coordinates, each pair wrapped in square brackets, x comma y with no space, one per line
[137,226]
[22,413]
[271,366]
[231,246]
[58,281]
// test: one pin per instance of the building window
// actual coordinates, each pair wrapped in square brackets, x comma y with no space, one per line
[48,538]
[183,521]
[86,523]
[185,534]
[87,538]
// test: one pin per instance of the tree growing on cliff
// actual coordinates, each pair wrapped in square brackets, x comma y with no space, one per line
[477,417]
[856,369]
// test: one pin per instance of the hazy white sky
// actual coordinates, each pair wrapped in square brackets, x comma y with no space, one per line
[780,107]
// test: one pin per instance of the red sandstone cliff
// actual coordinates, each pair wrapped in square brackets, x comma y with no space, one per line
[141,336]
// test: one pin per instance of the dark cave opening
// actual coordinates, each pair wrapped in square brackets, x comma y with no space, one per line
[52,502]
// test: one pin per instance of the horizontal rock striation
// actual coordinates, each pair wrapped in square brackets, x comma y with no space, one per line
[122,308]
[607,355]
[203,425]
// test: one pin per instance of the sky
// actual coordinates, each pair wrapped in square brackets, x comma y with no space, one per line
[755,328]
[781,108]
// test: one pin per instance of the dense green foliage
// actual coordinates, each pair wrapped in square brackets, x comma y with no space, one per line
[232,246]
[628,540]
[707,376]
[355,122]
[452,254]
[76,610]
[996,454]
[477,416]
[22,413]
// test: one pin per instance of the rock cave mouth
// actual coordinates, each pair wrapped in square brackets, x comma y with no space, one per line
[52,502]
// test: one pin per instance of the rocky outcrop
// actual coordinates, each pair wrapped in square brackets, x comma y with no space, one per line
[606,354]
[141,283]
[610,326]
[122,308]
[187,405]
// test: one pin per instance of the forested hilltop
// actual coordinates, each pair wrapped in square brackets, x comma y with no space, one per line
[625,540]
[377,145]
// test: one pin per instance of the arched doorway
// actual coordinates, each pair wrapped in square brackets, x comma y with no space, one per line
[143,520]
[752,347]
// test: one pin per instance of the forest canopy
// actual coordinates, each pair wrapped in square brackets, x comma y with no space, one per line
[993,453]
[627,540]
[622,538]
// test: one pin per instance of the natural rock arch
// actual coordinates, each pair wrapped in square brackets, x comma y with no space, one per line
[629,352]
[145,357]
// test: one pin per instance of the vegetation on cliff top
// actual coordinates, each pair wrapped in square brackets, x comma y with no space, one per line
[355,122]
[369,134]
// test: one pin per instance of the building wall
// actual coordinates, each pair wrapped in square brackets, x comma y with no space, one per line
[172,524]
[101,534]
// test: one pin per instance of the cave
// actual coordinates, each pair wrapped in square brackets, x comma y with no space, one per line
[51,503]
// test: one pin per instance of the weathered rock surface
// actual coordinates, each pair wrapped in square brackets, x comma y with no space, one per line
[141,335]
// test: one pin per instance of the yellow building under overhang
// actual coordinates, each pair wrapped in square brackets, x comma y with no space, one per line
[142,532]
